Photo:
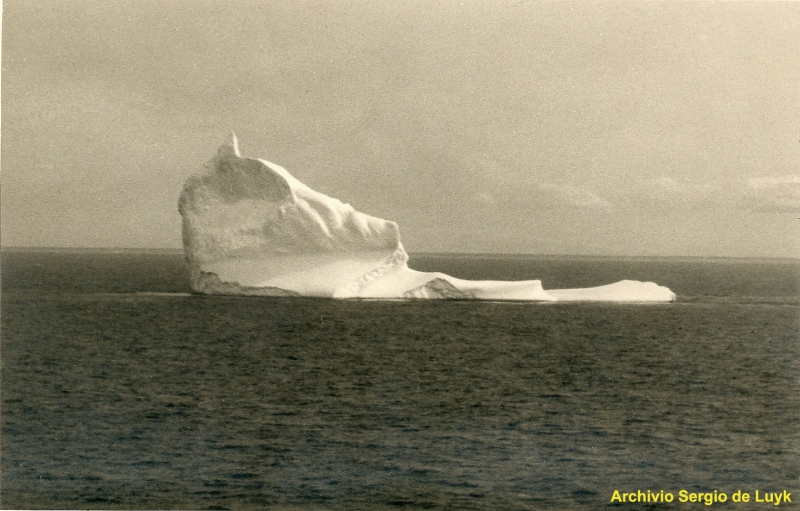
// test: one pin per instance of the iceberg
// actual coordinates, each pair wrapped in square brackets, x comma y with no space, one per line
[251,228]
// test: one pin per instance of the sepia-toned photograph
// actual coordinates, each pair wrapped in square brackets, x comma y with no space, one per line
[380,255]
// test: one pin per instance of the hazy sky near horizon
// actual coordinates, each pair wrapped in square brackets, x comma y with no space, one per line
[604,128]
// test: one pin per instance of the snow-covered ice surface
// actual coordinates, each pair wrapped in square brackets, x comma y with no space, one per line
[250,228]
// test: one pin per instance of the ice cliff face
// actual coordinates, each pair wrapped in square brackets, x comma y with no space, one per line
[248,225]
[250,228]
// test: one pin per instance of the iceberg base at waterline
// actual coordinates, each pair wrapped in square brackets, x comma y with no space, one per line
[251,228]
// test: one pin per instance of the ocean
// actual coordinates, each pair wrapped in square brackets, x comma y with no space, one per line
[121,389]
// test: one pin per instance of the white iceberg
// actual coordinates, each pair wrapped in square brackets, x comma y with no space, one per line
[250,228]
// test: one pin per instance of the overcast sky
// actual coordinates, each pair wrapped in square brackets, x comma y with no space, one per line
[515,126]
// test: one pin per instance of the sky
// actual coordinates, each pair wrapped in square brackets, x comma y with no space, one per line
[498,126]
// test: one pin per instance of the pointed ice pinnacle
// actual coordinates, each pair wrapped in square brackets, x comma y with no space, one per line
[230,147]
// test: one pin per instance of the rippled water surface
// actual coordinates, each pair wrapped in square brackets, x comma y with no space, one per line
[122,390]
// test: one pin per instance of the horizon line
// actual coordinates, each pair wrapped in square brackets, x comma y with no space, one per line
[18,248]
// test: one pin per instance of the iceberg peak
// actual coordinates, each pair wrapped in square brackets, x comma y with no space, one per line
[251,228]
[230,147]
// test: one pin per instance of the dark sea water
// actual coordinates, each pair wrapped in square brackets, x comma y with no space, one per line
[122,390]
